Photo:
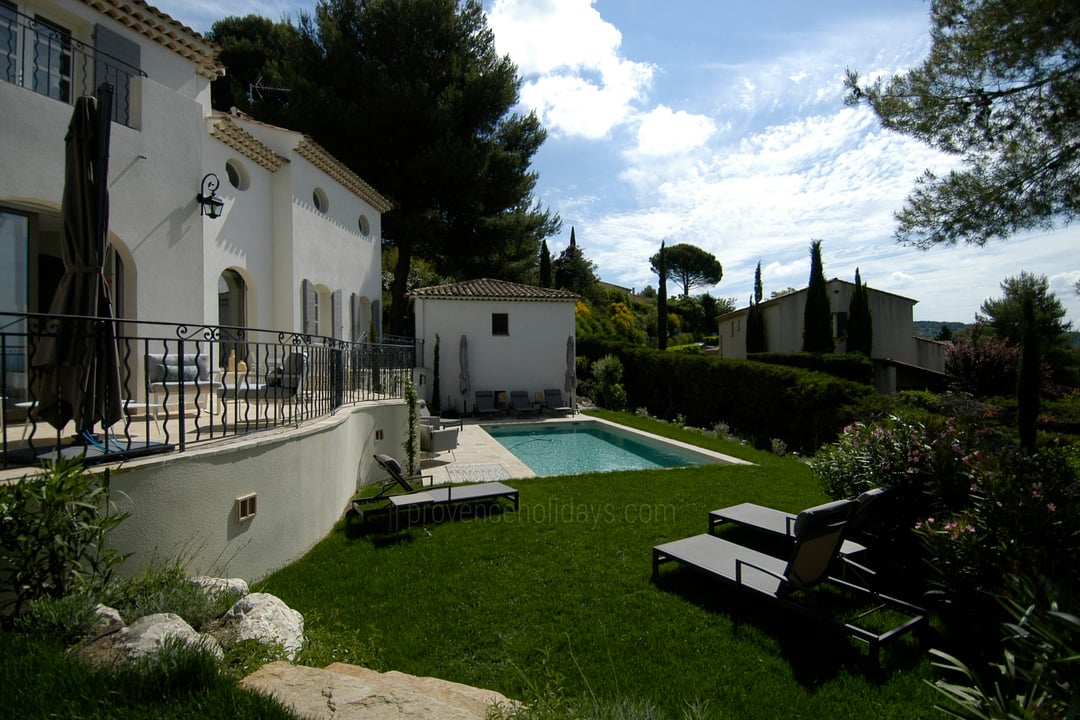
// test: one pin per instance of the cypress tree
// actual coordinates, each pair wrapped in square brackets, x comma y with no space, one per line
[817,318]
[436,403]
[755,320]
[860,333]
[1028,379]
[661,300]
[545,265]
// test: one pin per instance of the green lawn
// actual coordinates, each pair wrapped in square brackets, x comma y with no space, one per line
[557,600]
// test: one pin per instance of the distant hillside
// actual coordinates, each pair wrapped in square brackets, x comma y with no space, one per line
[929,329]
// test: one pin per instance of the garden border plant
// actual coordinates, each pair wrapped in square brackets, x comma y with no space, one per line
[53,529]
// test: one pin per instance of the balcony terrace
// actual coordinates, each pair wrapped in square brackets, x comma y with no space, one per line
[46,58]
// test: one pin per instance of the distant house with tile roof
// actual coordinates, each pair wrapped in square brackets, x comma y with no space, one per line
[900,358]
[516,337]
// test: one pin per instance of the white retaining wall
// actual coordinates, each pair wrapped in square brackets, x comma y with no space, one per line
[185,504]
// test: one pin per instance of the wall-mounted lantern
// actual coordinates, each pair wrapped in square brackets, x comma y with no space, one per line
[209,203]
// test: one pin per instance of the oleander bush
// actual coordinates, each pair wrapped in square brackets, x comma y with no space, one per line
[53,528]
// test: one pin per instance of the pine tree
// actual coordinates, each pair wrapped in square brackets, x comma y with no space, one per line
[817,318]
[860,332]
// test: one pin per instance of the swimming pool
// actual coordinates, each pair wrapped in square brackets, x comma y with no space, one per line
[569,448]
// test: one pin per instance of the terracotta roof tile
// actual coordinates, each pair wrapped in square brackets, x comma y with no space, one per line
[246,144]
[152,23]
[320,158]
[489,289]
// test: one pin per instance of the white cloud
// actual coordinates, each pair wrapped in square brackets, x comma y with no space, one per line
[663,132]
[575,78]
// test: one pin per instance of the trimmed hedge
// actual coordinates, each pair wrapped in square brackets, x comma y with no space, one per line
[856,368]
[804,409]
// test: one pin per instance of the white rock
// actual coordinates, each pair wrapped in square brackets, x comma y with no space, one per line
[217,586]
[147,634]
[266,619]
[107,619]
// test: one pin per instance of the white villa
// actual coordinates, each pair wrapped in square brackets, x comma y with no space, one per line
[296,249]
[897,354]
[515,337]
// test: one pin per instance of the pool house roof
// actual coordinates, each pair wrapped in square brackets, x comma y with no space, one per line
[490,289]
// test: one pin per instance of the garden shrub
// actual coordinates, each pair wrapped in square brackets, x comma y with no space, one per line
[607,373]
[166,587]
[67,618]
[53,527]
[804,409]
[1024,515]
[929,460]
[981,510]
[847,366]
[982,366]
[1037,675]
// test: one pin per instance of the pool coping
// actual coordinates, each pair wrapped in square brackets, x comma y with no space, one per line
[477,447]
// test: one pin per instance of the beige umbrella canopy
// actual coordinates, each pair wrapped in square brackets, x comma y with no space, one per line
[77,375]
[463,375]
[570,384]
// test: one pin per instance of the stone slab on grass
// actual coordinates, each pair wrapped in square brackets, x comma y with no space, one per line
[349,692]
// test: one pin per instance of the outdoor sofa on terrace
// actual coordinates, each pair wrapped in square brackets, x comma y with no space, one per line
[170,375]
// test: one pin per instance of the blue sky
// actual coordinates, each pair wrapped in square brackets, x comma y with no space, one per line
[722,124]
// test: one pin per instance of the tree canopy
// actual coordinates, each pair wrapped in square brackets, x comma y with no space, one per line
[575,272]
[690,266]
[412,96]
[1001,90]
[817,316]
[1006,314]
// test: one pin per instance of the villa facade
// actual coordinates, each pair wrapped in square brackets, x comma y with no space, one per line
[296,250]
[899,356]
[297,246]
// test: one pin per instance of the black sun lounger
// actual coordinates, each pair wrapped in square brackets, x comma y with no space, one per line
[442,495]
[779,522]
[817,535]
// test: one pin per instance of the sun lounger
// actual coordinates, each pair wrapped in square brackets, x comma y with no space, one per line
[485,403]
[553,401]
[817,536]
[521,404]
[779,522]
[413,497]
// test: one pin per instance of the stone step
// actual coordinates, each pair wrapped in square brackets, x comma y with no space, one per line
[350,692]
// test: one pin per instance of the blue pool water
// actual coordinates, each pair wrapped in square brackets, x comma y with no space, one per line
[584,447]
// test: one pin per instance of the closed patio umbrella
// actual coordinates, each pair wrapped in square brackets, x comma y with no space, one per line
[78,375]
[463,375]
[570,386]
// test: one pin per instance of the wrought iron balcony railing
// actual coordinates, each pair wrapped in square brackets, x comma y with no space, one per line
[76,385]
[44,57]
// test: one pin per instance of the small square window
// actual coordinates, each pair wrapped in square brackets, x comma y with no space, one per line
[500,324]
